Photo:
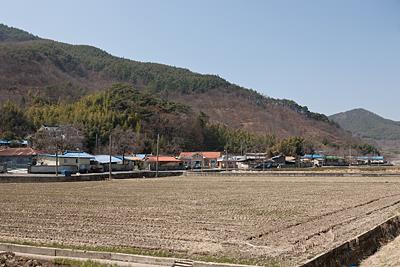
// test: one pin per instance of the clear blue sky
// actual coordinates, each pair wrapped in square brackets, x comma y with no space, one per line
[329,55]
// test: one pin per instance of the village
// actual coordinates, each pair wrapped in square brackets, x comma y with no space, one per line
[22,158]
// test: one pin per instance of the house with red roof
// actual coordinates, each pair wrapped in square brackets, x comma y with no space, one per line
[164,163]
[18,157]
[197,160]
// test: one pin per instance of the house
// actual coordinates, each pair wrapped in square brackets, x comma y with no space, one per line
[198,160]
[280,159]
[310,160]
[370,160]
[4,142]
[18,157]
[77,159]
[134,161]
[13,143]
[335,161]
[164,163]
[250,160]
[225,162]
[118,163]
[291,161]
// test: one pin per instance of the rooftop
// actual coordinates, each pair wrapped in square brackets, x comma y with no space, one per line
[106,159]
[18,151]
[205,154]
[72,154]
[162,159]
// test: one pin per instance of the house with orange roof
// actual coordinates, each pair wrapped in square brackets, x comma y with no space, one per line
[199,160]
[164,163]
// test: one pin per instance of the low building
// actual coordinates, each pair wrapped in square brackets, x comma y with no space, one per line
[310,160]
[77,159]
[225,162]
[164,163]
[199,160]
[134,161]
[335,161]
[250,160]
[13,143]
[370,160]
[118,163]
[280,159]
[18,157]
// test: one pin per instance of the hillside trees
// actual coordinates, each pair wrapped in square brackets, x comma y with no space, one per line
[13,122]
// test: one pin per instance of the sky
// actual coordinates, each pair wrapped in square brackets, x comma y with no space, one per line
[331,56]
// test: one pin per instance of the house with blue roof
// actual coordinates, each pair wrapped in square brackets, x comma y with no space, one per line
[77,159]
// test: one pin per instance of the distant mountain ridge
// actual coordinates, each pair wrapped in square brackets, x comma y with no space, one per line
[32,68]
[367,124]
[372,128]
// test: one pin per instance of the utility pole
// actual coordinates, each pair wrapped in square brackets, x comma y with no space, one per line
[57,161]
[109,163]
[263,164]
[350,155]
[79,167]
[157,153]
[96,144]
[226,162]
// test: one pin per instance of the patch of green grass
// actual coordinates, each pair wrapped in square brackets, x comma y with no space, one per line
[223,259]
[76,263]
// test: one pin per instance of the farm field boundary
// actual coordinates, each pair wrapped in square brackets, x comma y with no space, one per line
[357,249]
[116,258]
[37,178]
[293,174]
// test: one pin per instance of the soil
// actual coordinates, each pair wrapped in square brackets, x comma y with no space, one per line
[387,256]
[265,220]
[9,259]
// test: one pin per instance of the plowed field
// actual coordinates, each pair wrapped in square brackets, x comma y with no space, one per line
[264,220]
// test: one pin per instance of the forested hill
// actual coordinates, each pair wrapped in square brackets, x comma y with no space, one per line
[33,69]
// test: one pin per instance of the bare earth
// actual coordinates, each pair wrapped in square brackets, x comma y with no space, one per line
[283,220]
[387,256]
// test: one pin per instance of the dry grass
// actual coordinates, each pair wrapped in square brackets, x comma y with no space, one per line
[256,220]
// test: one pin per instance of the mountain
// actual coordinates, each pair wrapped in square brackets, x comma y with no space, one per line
[33,68]
[371,127]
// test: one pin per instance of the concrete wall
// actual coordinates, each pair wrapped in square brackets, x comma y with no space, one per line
[352,252]
[51,169]
[37,178]
[95,255]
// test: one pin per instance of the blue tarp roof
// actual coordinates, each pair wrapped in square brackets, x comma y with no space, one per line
[313,156]
[106,159]
[72,154]
[141,156]
[371,158]
[8,142]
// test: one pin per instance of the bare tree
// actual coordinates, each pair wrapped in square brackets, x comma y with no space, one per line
[56,139]
[125,141]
